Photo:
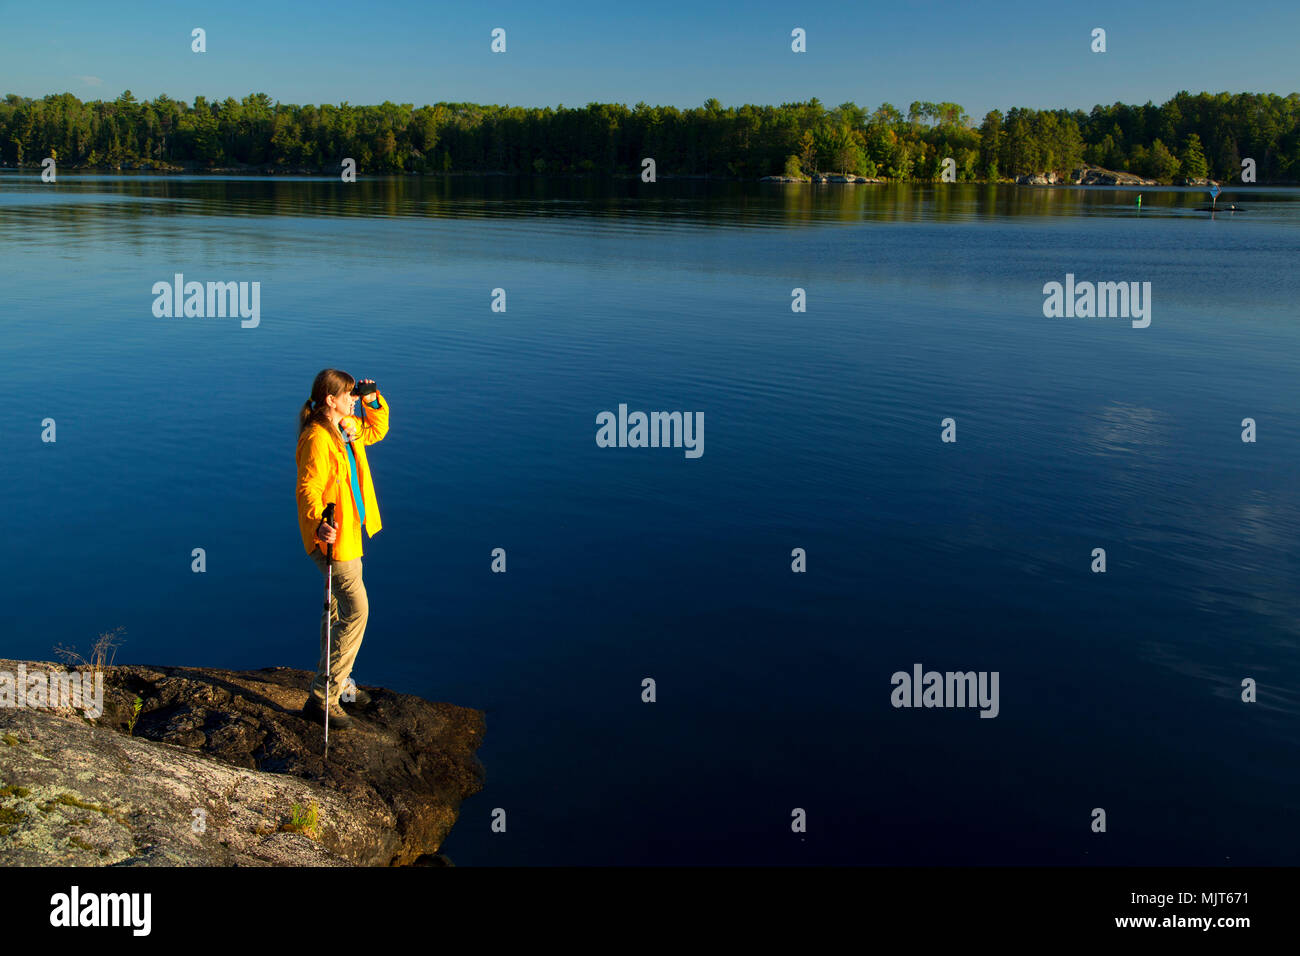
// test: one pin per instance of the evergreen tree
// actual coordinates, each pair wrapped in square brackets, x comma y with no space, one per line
[1193,158]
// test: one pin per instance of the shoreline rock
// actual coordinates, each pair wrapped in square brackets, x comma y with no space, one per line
[1098,176]
[1085,176]
[820,178]
[231,744]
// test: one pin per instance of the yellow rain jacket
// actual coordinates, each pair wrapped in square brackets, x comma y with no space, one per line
[323,476]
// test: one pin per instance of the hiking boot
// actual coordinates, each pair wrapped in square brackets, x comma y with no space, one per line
[363,699]
[314,712]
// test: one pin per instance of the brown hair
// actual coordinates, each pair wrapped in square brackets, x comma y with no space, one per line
[329,381]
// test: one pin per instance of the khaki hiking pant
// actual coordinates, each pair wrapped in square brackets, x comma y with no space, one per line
[349,611]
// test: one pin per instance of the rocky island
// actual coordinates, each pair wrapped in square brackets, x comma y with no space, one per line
[192,766]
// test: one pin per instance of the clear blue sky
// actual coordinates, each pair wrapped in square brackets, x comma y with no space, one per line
[979,54]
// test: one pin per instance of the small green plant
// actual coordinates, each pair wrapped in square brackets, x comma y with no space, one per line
[135,714]
[303,820]
[13,790]
[9,816]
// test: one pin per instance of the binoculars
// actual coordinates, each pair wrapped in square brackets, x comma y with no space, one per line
[365,388]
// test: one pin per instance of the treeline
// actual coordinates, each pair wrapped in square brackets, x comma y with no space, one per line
[1189,136]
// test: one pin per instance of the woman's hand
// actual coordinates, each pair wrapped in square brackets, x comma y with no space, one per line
[327,532]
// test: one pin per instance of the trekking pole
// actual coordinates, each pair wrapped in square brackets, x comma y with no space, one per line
[329,599]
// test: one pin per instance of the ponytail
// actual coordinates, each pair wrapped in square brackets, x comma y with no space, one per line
[329,381]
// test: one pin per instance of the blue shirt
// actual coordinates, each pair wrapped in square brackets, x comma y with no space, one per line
[352,467]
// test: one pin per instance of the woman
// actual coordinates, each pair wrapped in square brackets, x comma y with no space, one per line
[332,467]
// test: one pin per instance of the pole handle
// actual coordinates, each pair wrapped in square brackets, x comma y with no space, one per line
[329,520]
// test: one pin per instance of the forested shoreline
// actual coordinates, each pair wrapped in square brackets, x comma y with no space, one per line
[1191,136]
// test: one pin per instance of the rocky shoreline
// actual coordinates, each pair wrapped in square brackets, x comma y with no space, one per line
[822,178]
[1098,176]
[1083,176]
[221,769]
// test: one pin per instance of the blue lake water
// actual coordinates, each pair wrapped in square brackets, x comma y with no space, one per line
[1119,690]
